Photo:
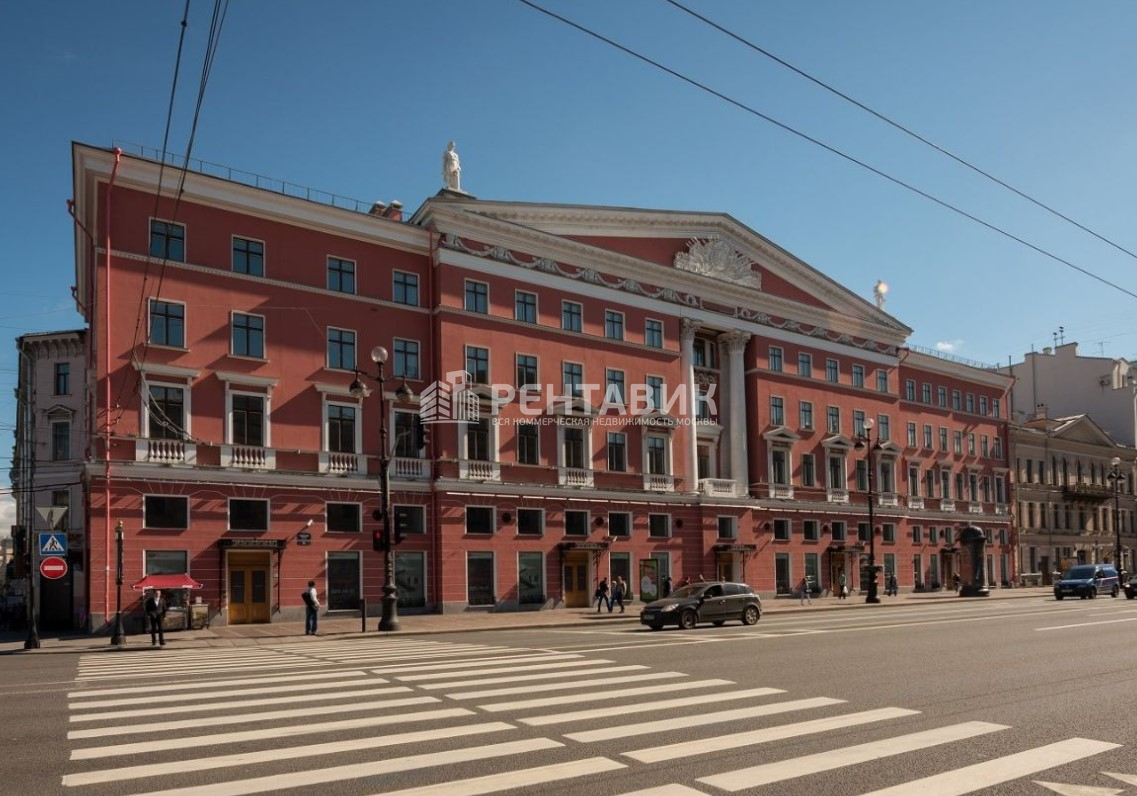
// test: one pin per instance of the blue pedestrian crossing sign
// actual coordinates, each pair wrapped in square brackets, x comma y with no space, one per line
[52,544]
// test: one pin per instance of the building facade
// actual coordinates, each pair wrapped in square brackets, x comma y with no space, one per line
[606,392]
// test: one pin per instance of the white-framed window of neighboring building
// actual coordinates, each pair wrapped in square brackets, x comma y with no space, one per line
[248,256]
[727,527]
[342,432]
[833,419]
[653,333]
[780,465]
[248,418]
[805,365]
[617,452]
[836,476]
[943,439]
[526,371]
[528,443]
[572,378]
[925,393]
[613,325]
[941,397]
[60,439]
[659,526]
[249,514]
[477,297]
[479,440]
[808,470]
[776,359]
[657,459]
[248,335]
[956,400]
[480,519]
[781,529]
[911,434]
[655,393]
[167,323]
[928,436]
[576,522]
[883,428]
[405,358]
[575,446]
[832,371]
[524,306]
[777,410]
[805,415]
[909,389]
[620,523]
[614,387]
[969,403]
[341,275]
[530,522]
[478,364]
[858,422]
[404,436]
[62,381]
[343,517]
[404,288]
[914,480]
[882,380]
[858,375]
[168,240]
[811,530]
[166,410]
[165,512]
[572,315]
[341,349]
[957,441]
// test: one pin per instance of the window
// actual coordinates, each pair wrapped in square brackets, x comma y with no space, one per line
[166,412]
[576,523]
[531,521]
[926,393]
[526,367]
[478,440]
[839,531]
[863,532]
[571,316]
[997,448]
[984,408]
[341,428]
[995,407]
[613,325]
[833,419]
[166,512]
[405,431]
[971,445]
[805,414]
[927,436]
[911,435]
[858,422]
[405,363]
[811,530]
[480,578]
[888,533]
[341,349]
[530,579]
[728,527]
[343,517]
[909,389]
[808,470]
[344,581]
[805,365]
[956,398]
[614,386]
[941,396]
[985,445]
[341,275]
[477,297]
[782,530]
[776,365]
[704,352]
[247,419]
[248,515]
[479,519]
[659,526]
[917,535]
[478,364]
[882,381]
[832,371]
[858,375]
[248,335]
[527,443]
[60,440]
[619,524]
[653,333]
[883,428]
[617,452]
[574,448]
[248,257]
[943,439]
[836,472]
[779,464]
[167,323]
[861,474]
[572,374]
[524,306]
[969,403]
[777,411]
[168,240]
[404,288]
[62,378]
[657,456]
[655,393]
[957,441]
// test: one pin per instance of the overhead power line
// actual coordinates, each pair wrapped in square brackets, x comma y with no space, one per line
[828,148]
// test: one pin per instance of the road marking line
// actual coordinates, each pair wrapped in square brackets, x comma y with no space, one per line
[1128,779]
[674,789]
[508,780]
[538,667]
[185,765]
[442,667]
[529,678]
[248,718]
[222,738]
[644,707]
[754,776]
[1086,624]
[305,779]
[1078,790]
[284,678]
[216,693]
[1002,769]
[572,699]
[664,725]
[224,702]
[528,689]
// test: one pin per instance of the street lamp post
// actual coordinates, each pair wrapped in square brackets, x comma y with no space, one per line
[1115,477]
[118,639]
[389,621]
[865,442]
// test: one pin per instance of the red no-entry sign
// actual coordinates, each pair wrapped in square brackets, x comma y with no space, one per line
[53,567]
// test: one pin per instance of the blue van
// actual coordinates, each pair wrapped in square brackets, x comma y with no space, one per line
[1088,581]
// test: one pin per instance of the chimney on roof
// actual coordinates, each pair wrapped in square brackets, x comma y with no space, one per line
[395,211]
[378,209]
[1040,410]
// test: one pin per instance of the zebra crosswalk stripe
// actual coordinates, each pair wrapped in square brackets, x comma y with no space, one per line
[598,696]
[647,707]
[527,666]
[526,678]
[598,683]
[508,780]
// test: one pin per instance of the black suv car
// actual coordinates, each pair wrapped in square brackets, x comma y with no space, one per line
[713,601]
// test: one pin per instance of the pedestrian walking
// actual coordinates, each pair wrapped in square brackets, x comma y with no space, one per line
[619,589]
[155,617]
[601,595]
[803,592]
[666,586]
[311,609]
[843,589]
[892,587]
[955,580]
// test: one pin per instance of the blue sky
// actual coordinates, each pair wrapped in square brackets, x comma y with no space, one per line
[360,98]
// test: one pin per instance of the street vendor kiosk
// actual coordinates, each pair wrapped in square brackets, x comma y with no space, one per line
[181,613]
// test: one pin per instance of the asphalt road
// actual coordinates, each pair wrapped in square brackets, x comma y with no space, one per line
[990,697]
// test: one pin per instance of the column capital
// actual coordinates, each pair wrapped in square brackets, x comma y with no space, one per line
[687,329]
[735,340]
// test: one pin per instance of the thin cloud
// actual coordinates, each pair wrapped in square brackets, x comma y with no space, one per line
[949,346]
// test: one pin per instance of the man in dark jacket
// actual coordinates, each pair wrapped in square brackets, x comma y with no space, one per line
[155,616]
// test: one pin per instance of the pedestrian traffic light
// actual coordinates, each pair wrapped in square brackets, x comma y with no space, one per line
[379,534]
[402,524]
[422,433]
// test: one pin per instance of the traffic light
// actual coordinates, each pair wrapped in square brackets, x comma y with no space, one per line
[379,535]
[402,524]
[20,563]
[422,433]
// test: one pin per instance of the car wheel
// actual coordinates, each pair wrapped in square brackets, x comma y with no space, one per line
[1093,595]
[688,619]
[750,615]
[1129,596]
[1115,592]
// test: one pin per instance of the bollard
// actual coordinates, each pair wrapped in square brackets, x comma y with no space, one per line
[363,615]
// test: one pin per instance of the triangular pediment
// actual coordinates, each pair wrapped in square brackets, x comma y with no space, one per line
[1081,428]
[838,441]
[781,434]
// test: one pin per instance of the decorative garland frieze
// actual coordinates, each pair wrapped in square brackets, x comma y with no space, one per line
[713,261]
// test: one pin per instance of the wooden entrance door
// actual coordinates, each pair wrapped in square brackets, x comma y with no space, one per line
[577,593]
[249,579]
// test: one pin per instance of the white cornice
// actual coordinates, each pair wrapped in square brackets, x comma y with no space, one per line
[959,370]
[167,371]
[244,378]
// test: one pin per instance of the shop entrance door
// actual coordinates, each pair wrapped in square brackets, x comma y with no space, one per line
[249,575]
[575,582]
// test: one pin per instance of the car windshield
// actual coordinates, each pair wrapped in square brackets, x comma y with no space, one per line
[1079,573]
[687,591]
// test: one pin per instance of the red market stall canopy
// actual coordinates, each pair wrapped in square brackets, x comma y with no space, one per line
[167,582]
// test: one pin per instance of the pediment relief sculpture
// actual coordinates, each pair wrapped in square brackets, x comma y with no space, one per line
[716,258]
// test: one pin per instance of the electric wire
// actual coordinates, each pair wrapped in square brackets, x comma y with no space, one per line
[829,148]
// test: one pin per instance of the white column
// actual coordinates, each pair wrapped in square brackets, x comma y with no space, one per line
[687,329]
[739,458]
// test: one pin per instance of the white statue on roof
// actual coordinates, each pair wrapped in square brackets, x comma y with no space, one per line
[451,168]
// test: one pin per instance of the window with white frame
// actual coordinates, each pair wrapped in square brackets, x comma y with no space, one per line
[888,533]
[531,521]
[839,531]
[833,419]
[168,240]
[779,466]
[60,440]
[805,415]
[811,530]
[248,419]
[524,306]
[167,323]
[928,436]
[404,288]
[777,410]
[62,381]
[882,380]
[910,389]
[613,325]
[477,297]
[619,523]
[808,470]
[343,517]
[248,335]
[166,413]
[832,371]
[165,512]
[617,452]
[911,435]
[776,359]
[576,522]
[528,448]
[728,527]
[659,526]
[805,365]
[248,256]
[526,367]
[572,447]
[247,514]
[341,349]
[405,359]
[341,424]
[782,529]
[655,392]
[836,472]
[858,375]
[925,393]
[478,440]
[941,397]
[404,431]
[572,313]
[478,364]
[614,386]
[572,377]
[479,519]
[341,275]
[657,455]
[653,333]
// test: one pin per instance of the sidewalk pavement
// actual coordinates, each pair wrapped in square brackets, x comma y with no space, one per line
[352,626]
